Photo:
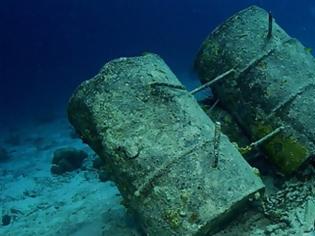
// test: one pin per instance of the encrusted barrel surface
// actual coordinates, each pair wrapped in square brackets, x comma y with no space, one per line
[158,145]
[273,86]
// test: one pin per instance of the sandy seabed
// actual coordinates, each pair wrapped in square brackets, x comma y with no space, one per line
[40,203]
[79,204]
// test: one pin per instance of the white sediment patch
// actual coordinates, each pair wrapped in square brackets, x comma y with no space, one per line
[42,204]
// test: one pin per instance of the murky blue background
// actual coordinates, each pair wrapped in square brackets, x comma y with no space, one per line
[47,47]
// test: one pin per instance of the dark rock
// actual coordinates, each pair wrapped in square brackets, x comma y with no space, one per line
[57,170]
[31,194]
[4,156]
[67,159]
[6,220]
[98,163]
[103,176]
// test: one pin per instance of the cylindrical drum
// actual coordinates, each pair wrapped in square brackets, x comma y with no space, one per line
[175,174]
[273,85]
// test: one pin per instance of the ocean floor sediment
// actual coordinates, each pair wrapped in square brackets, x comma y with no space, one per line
[39,203]
[78,203]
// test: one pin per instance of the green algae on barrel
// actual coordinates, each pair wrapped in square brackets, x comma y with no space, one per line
[274,84]
[157,145]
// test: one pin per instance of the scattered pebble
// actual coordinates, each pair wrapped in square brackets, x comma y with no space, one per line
[6,219]
[67,159]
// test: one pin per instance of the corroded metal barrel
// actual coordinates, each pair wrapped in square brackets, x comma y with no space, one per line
[273,84]
[160,149]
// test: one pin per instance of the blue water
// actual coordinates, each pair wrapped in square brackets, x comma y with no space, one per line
[48,47]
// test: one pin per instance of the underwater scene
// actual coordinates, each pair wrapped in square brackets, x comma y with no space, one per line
[157,118]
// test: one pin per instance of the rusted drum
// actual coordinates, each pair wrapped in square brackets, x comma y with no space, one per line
[273,85]
[160,148]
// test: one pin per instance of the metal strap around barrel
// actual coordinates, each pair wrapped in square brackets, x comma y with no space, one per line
[261,57]
[258,59]
[237,73]
[163,168]
[290,99]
